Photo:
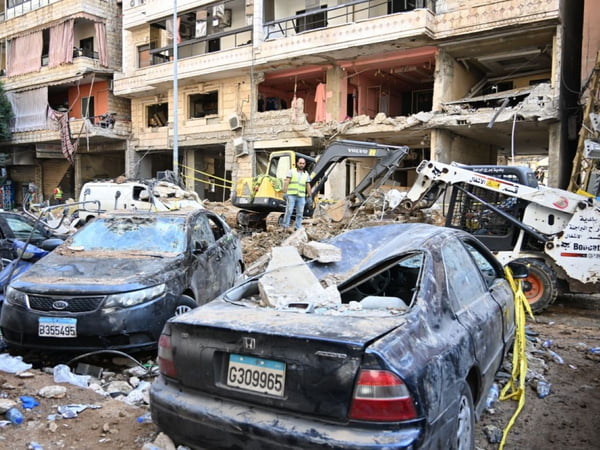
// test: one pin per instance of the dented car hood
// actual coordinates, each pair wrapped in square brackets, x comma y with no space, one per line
[99,274]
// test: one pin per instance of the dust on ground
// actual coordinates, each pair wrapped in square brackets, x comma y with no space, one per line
[566,418]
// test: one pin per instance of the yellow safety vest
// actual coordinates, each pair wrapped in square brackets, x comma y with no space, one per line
[297,185]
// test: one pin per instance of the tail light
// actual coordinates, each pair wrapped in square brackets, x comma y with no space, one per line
[380,395]
[165,356]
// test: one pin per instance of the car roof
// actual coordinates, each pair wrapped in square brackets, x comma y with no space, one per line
[367,247]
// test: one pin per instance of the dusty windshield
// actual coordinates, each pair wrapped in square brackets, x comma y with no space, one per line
[146,234]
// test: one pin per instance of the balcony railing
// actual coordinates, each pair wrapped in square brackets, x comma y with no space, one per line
[77,52]
[212,43]
[345,13]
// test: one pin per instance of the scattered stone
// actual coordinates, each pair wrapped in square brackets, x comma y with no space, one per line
[6,404]
[164,442]
[52,427]
[324,253]
[493,434]
[118,387]
[26,374]
[53,391]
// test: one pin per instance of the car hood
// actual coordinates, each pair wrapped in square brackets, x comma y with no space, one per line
[99,274]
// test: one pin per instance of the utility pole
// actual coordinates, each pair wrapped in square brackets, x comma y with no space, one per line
[175,95]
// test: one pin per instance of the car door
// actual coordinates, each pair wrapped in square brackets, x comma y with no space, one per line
[227,249]
[473,305]
[206,260]
[492,274]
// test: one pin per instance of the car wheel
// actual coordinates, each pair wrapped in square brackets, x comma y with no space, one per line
[540,286]
[185,304]
[464,438]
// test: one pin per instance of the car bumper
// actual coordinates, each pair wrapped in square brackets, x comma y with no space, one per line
[207,422]
[128,329]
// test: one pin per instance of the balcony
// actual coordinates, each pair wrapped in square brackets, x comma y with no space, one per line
[341,14]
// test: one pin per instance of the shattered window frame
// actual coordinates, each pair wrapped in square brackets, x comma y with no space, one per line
[400,277]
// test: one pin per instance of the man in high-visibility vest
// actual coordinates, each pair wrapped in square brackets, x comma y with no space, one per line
[296,188]
[58,195]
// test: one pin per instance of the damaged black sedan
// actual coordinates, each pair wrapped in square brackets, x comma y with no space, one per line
[395,346]
[115,282]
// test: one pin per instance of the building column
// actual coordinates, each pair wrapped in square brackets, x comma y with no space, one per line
[337,94]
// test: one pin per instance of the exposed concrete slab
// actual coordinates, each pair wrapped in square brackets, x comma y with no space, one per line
[288,280]
[324,253]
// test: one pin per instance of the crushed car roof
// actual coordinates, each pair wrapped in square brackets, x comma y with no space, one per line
[367,247]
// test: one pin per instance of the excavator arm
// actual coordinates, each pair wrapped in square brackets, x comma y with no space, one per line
[388,159]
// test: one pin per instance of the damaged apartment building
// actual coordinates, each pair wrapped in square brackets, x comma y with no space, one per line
[470,81]
[213,88]
[58,58]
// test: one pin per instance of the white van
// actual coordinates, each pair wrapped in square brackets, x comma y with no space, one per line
[133,195]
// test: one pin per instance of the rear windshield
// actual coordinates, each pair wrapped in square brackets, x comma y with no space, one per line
[146,234]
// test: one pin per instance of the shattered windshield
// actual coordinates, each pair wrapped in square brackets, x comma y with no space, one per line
[147,234]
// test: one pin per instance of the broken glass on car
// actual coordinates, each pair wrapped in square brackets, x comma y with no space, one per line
[132,234]
[388,288]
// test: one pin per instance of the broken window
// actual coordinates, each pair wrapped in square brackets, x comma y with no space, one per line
[311,21]
[86,48]
[157,115]
[87,107]
[398,281]
[202,105]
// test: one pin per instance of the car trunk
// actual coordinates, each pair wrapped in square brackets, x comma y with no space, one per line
[226,349]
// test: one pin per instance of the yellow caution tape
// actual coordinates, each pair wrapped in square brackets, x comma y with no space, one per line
[515,388]
[225,180]
[211,183]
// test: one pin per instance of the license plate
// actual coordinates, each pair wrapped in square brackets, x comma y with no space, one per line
[255,374]
[61,327]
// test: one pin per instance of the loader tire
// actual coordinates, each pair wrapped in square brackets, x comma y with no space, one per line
[540,287]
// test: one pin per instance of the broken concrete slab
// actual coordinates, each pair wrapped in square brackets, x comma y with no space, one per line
[296,239]
[319,251]
[288,280]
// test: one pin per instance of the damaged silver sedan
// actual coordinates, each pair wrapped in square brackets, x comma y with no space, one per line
[115,282]
[396,347]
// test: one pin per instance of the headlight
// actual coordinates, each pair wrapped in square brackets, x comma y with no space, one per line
[14,297]
[129,299]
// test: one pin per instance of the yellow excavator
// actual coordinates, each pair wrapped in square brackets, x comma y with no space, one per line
[261,195]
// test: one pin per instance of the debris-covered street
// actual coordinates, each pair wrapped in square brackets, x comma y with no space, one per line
[563,349]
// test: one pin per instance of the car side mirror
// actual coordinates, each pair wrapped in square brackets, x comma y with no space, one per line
[200,247]
[519,270]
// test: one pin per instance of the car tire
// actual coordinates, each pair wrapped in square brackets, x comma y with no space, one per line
[540,287]
[185,304]
[464,436]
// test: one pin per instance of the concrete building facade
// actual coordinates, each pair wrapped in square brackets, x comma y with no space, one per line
[473,81]
[58,60]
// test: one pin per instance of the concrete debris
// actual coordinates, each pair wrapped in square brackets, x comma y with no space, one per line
[53,391]
[288,280]
[119,387]
[323,253]
[162,442]
[6,404]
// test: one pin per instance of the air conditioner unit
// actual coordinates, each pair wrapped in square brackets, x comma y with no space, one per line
[235,122]
[240,146]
